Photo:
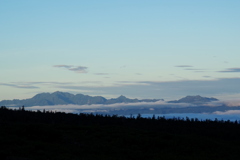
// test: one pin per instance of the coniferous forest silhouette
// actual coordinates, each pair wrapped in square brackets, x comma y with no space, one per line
[27,135]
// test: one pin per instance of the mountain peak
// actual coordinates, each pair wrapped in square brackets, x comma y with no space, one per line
[122,97]
[194,99]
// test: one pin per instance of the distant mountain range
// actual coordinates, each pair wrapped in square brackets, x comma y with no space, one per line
[196,104]
[63,98]
[194,100]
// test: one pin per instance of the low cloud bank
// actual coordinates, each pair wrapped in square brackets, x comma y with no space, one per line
[232,103]
[108,107]
[116,106]
[228,112]
[227,103]
[71,108]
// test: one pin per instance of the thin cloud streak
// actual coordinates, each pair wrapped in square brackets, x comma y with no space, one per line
[77,69]
[194,69]
[43,83]
[183,66]
[101,74]
[206,76]
[18,86]
[230,70]
[63,66]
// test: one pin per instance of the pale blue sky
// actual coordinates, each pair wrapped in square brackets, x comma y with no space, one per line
[138,48]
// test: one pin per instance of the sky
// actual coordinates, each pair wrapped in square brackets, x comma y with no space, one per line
[137,48]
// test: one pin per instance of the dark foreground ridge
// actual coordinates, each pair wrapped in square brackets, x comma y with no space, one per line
[29,135]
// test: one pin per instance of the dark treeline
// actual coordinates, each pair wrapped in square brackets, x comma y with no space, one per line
[52,117]
[58,135]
